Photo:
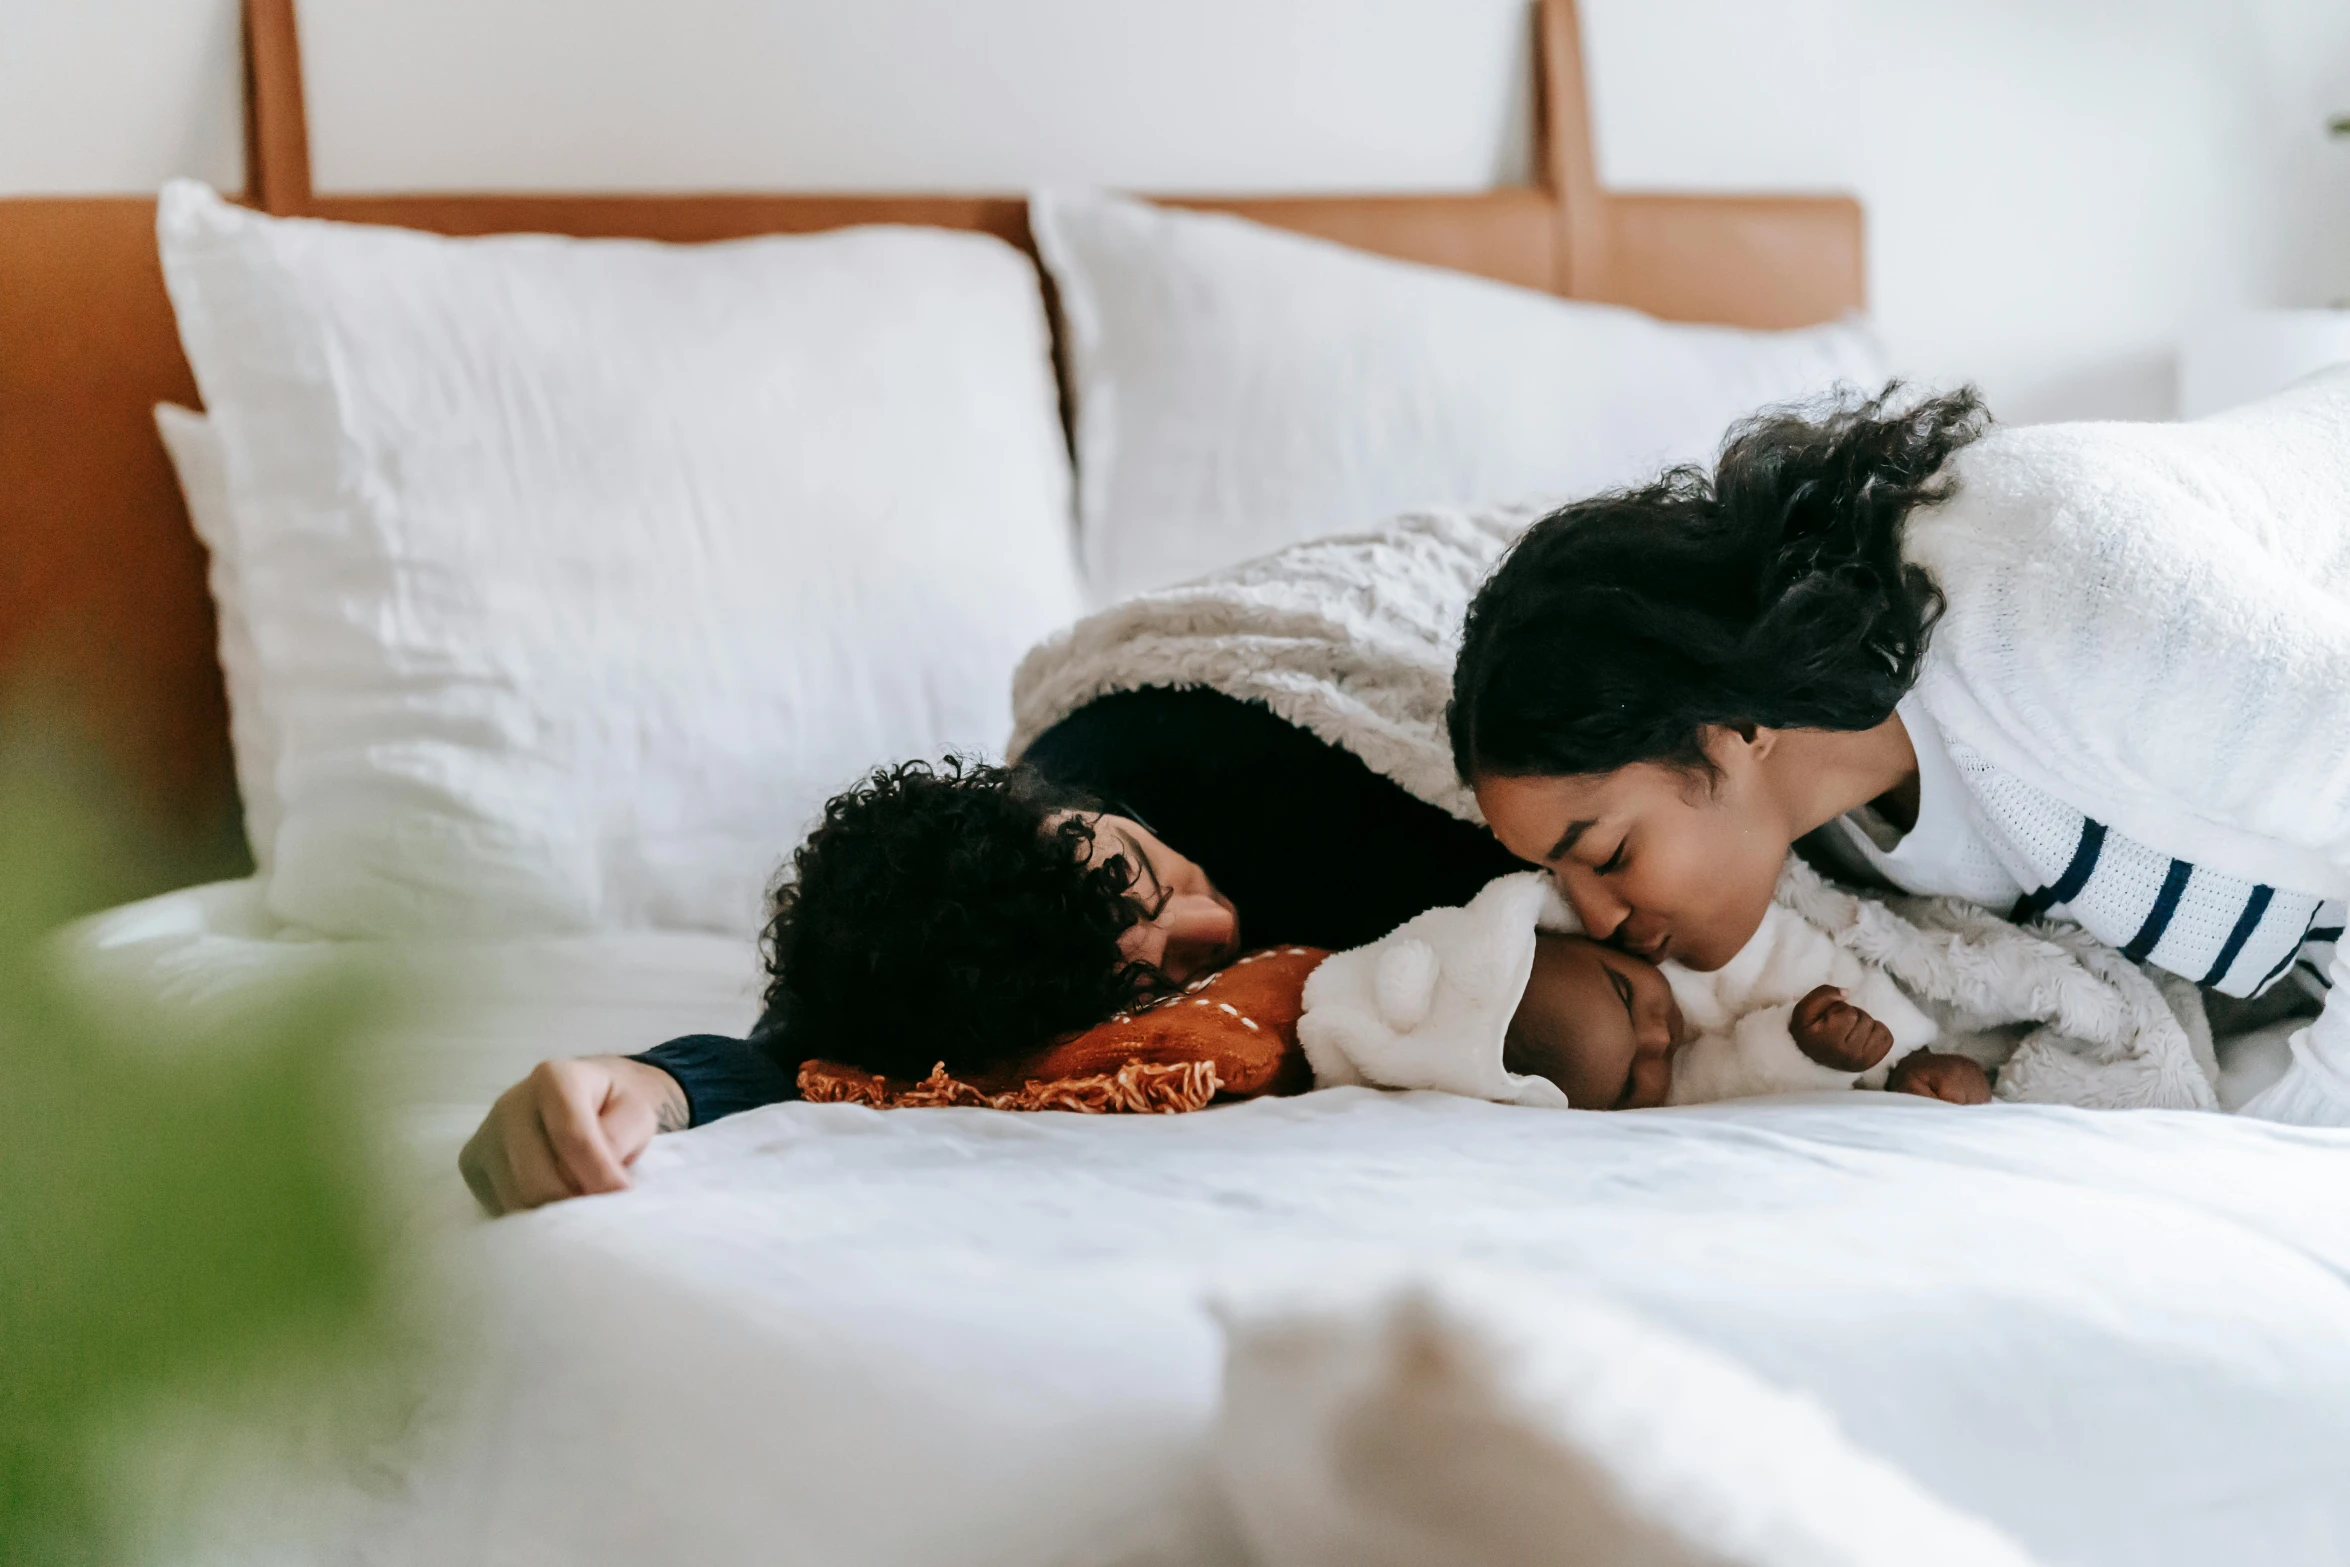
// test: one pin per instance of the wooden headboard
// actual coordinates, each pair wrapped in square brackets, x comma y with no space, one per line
[102,590]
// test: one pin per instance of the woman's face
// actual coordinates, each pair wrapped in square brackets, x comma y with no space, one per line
[1660,862]
[1192,928]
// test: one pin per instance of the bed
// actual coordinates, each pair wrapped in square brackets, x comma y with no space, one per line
[825,1334]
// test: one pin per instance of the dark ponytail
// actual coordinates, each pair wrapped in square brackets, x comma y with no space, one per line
[1769,592]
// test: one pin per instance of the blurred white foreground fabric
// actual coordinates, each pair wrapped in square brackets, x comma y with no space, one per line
[1468,1418]
[828,1335]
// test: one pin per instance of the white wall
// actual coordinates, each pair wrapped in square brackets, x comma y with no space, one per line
[116,95]
[2056,188]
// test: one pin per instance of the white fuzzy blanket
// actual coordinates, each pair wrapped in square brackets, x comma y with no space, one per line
[1352,639]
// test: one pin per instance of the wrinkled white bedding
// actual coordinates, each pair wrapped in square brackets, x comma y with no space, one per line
[829,1335]
[822,1334]
[483,1011]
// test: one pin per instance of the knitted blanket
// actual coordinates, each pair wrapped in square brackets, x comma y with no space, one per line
[1352,639]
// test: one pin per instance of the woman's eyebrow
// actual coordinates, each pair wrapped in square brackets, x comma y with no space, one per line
[1567,839]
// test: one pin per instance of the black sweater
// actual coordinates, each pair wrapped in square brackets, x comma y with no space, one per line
[1311,846]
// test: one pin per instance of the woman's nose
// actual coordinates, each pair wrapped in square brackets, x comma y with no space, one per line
[1600,910]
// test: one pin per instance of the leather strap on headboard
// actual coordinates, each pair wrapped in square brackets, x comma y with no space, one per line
[1767,261]
[277,125]
[1568,162]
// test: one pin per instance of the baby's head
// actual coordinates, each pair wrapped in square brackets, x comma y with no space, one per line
[1494,1001]
[1599,1023]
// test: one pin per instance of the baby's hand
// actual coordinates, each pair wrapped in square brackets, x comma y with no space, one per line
[1931,1075]
[1837,1034]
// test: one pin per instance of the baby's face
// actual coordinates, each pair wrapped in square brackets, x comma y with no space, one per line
[1601,1024]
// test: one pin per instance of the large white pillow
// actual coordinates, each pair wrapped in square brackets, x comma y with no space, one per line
[1239,388]
[579,573]
[194,448]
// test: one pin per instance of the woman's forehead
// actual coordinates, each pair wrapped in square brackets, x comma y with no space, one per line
[1544,818]
[1592,795]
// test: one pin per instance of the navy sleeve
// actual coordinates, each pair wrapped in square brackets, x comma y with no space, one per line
[721,1075]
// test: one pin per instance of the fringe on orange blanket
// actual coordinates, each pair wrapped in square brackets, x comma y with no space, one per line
[1138,1088]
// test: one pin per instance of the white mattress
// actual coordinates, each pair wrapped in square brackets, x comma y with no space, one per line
[823,1334]
[480,1013]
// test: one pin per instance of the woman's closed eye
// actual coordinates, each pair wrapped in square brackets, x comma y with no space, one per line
[1614,862]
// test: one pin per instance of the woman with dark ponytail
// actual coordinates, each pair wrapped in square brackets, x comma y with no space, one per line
[1842,634]
[1769,591]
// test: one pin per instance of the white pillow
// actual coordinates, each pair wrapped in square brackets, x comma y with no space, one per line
[580,572]
[1239,388]
[194,448]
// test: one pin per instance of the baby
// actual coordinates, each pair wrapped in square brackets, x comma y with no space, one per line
[1485,1001]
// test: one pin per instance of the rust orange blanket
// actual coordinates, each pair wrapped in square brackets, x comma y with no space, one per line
[1230,1035]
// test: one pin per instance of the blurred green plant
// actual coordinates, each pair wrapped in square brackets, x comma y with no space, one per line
[189,1208]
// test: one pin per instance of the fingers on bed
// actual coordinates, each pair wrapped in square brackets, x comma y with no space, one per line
[571,1123]
[531,1174]
[474,1165]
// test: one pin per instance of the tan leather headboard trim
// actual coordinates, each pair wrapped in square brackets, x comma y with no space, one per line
[1764,261]
[277,120]
[102,594]
[102,583]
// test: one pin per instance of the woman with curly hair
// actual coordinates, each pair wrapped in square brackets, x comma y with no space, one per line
[968,914]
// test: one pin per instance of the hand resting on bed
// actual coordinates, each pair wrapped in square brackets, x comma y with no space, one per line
[570,1129]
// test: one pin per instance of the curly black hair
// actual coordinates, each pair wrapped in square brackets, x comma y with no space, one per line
[1769,592]
[948,913]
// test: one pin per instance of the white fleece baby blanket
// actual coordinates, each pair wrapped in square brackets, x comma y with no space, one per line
[1353,638]
[1741,1016]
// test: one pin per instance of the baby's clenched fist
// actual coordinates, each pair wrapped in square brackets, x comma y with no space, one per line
[1932,1075]
[1837,1034]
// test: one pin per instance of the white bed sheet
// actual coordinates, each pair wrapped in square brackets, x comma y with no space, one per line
[479,1013]
[828,1335]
